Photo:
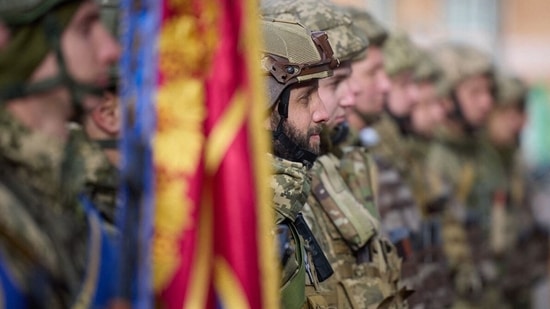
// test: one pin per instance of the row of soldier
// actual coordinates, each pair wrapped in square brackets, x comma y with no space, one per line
[411,185]
[393,166]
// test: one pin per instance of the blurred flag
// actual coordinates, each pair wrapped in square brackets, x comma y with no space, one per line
[207,186]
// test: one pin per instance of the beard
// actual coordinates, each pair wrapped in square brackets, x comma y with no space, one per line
[302,140]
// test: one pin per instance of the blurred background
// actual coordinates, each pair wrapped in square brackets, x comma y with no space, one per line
[517,34]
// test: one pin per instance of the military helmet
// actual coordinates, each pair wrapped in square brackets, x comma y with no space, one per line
[346,39]
[20,12]
[375,32]
[292,54]
[109,15]
[400,54]
[510,91]
[460,62]
[110,18]
[426,68]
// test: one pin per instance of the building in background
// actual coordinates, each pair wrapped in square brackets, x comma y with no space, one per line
[516,32]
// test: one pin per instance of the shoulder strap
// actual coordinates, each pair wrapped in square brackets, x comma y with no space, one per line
[351,217]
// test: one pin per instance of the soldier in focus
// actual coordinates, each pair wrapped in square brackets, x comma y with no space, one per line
[53,65]
[345,219]
[294,59]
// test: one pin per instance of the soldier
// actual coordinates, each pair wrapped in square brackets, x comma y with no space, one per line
[53,65]
[95,138]
[520,233]
[432,194]
[461,157]
[369,74]
[343,215]
[294,59]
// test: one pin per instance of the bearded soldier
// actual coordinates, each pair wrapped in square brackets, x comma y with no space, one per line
[294,59]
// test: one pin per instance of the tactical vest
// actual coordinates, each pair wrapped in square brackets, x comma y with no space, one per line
[367,267]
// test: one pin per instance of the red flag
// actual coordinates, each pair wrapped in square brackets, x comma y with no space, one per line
[212,245]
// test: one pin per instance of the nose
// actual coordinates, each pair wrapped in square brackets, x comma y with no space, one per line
[350,90]
[320,113]
[109,48]
[413,93]
[383,82]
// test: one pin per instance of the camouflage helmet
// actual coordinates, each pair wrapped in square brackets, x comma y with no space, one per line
[109,15]
[292,54]
[426,69]
[400,54]
[460,62]
[376,33]
[510,91]
[110,18]
[32,37]
[21,12]
[346,39]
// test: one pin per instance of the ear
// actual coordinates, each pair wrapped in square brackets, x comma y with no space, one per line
[107,115]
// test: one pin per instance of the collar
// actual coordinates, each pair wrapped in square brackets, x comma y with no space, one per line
[35,157]
[291,185]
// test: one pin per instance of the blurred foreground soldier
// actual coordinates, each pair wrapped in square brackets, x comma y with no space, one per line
[95,138]
[294,59]
[521,246]
[460,156]
[53,65]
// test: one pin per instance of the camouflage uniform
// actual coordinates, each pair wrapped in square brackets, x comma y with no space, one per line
[93,174]
[42,239]
[341,210]
[522,246]
[53,246]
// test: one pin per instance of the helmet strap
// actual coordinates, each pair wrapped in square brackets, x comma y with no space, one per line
[297,153]
[76,89]
[108,144]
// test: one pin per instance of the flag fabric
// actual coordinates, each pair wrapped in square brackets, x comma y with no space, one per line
[209,195]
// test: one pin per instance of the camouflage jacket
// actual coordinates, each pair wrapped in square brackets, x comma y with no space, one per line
[290,185]
[92,173]
[342,212]
[472,168]
[42,230]
[474,226]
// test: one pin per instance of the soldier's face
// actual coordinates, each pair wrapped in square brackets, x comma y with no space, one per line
[429,112]
[306,115]
[372,81]
[505,125]
[475,99]
[403,94]
[88,50]
[338,94]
